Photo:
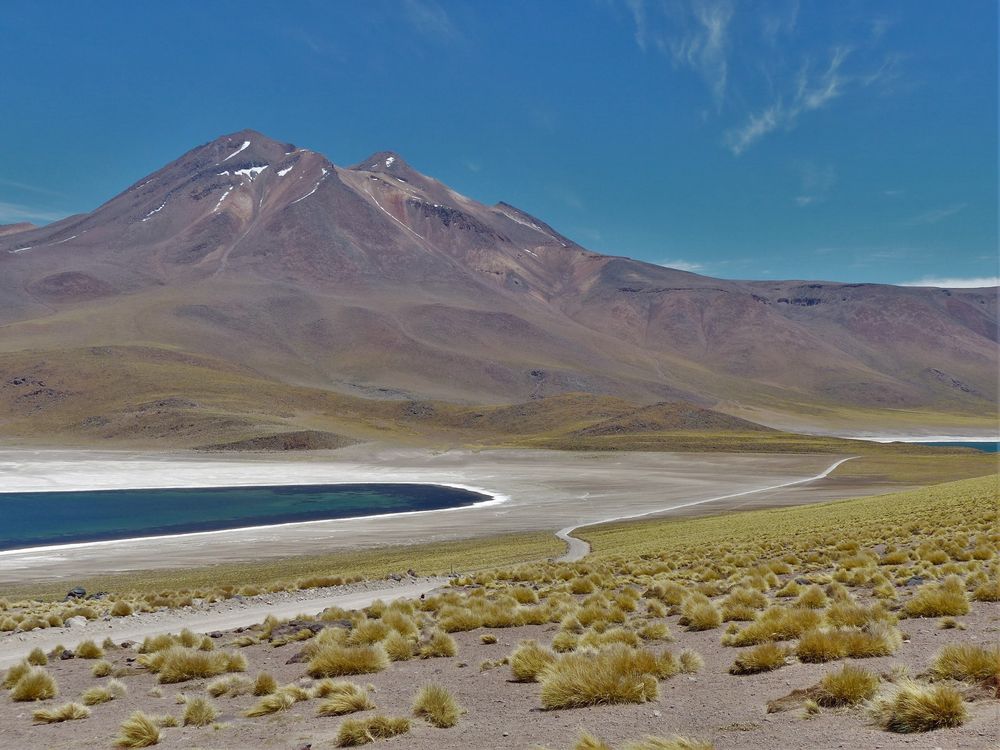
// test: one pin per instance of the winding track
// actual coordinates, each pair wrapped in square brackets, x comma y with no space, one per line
[577,549]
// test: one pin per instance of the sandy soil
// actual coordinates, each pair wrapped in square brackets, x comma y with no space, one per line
[542,490]
[711,705]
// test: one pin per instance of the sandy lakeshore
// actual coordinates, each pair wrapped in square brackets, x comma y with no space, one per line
[539,490]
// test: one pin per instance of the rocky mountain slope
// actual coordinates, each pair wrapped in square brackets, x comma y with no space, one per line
[377,281]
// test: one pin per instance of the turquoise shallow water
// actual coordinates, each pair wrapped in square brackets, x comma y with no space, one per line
[979,445]
[30,519]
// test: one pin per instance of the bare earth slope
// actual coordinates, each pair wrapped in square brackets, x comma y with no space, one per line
[377,281]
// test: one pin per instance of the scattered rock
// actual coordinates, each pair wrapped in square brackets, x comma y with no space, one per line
[66,654]
[914,581]
[76,593]
[76,622]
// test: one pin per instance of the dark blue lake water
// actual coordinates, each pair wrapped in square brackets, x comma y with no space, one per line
[979,445]
[30,519]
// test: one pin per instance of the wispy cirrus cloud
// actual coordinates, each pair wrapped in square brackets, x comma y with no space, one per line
[761,77]
[13,213]
[695,35]
[816,183]
[430,19]
[813,90]
[683,265]
[4,182]
[953,282]
[935,215]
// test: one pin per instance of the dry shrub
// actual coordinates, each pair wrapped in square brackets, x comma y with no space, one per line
[37,658]
[354,732]
[232,686]
[344,698]
[690,662]
[847,687]
[617,674]
[398,647]
[908,706]
[588,741]
[812,597]
[101,668]
[487,639]
[283,698]
[180,663]
[664,743]
[438,707]
[138,730]
[529,660]
[776,624]
[938,600]
[698,613]
[15,673]
[88,650]
[199,712]
[967,661]
[332,660]
[987,592]
[34,685]
[67,712]
[121,608]
[822,645]
[763,657]
[439,644]
[264,684]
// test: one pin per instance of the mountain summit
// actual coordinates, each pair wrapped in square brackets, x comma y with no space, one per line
[379,280]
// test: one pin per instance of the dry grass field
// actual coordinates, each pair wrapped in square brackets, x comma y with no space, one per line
[850,623]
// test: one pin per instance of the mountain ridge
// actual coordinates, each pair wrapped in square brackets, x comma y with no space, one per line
[378,280]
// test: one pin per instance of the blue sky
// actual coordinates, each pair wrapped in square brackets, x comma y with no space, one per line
[842,140]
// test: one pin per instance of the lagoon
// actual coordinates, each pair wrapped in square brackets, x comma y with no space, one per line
[32,519]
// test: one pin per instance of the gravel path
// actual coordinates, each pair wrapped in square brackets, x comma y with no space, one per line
[226,615]
[577,549]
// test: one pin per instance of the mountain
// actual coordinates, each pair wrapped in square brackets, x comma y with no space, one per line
[251,256]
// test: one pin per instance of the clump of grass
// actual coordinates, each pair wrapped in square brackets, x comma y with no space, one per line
[588,741]
[821,645]
[199,712]
[101,668]
[67,712]
[34,685]
[121,608]
[909,706]
[763,657]
[280,700]
[354,732]
[181,663]
[37,658]
[987,592]
[775,624]
[966,661]
[15,673]
[232,686]
[618,674]
[700,614]
[264,684]
[810,709]
[88,650]
[938,600]
[690,662]
[812,597]
[847,687]
[438,707]
[529,660]
[138,730]
[398,647]
[344,698]
[333,660]
[664,743]
[439,644]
